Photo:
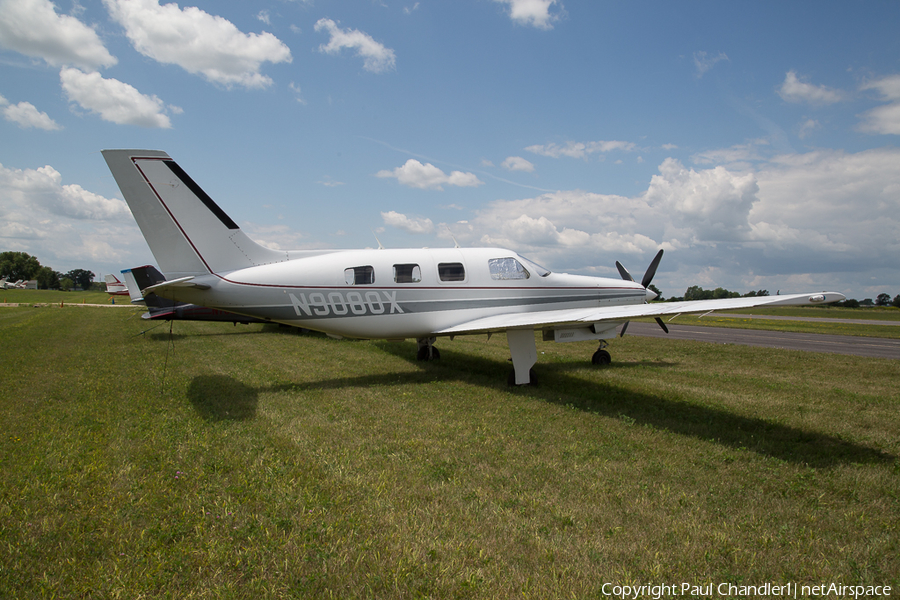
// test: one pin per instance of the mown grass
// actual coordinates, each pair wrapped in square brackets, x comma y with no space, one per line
[55,297]
[255,462]
[877,313]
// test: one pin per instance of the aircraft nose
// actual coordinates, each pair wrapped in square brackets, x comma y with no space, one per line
[650,295]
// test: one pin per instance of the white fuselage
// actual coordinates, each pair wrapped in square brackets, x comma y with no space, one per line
[408,293]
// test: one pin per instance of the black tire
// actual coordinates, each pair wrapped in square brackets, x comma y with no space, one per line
[422,354]
[532,378]
[601,357]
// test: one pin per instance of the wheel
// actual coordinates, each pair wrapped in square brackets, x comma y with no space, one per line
[601,357]
[422,354]
[532,378]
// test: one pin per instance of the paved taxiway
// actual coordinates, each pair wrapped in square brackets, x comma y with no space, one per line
[812,342]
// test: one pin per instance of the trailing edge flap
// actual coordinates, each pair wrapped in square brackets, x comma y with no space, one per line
[181,282]
[554,319]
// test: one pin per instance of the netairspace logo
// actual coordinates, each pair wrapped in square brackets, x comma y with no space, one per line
[731,590]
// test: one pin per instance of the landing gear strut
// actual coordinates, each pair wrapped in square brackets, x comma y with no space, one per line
[427,351]
[601,356]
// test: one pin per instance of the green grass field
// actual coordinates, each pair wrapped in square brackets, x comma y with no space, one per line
[256,462]
[56,296]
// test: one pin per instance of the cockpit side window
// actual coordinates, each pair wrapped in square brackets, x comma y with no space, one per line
[503,269]
[407,273]
[359,275]
[451,271]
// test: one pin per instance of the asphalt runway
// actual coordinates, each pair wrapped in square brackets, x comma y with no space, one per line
[810,342]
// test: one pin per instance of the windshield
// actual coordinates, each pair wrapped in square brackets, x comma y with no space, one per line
[534,267]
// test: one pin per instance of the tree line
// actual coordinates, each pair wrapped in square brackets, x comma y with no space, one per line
[19,265]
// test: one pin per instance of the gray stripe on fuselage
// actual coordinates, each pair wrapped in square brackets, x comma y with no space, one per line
[334,303]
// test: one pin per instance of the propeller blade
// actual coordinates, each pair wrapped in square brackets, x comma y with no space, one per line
[651,270]
[661,324]
[624,272]
[624,327]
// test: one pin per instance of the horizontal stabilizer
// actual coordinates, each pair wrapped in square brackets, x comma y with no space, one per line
[181,282]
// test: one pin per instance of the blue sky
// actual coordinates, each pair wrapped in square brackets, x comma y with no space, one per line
[756,142]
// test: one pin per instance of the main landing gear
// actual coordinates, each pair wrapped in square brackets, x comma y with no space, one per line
[427,351]
[524,355]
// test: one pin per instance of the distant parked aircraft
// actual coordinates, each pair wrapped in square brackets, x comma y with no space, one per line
[393,294]
[114,287]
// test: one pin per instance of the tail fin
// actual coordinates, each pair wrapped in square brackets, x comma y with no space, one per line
[187,232]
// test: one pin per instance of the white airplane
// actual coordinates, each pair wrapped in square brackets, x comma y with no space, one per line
[9,285]
[383,294]
[114,287]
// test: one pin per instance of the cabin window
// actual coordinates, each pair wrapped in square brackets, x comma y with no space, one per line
[507,268]
[359,275]
[410,273]
[451,272]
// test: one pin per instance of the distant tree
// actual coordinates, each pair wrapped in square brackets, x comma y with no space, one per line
[695,292]
[848,303]
[752,294]
[882,300]
[81,278]
[656,291]
[896,301]
[867,302]
[66,284]
[18,265]
[47,279]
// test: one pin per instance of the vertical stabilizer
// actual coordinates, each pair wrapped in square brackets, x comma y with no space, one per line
[186,230]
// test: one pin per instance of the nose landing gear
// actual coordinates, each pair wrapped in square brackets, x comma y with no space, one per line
[601,357]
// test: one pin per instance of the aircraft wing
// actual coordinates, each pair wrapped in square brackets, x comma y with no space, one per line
[581,317]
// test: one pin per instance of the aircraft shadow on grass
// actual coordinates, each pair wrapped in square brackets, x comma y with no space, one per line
[165,334]
[220,397]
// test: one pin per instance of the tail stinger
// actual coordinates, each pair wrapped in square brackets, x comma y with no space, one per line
[188,233]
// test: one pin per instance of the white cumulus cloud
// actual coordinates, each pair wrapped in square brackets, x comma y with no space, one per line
[517,163]
[411,225]
[427,176]
[114,100]
[534,13]
[33,28]
[198,42]
[795,90]
[377,58]
[884,119]
[64,225]
[714,203]
[25,115]
[794,220]
[580,149]
[43,188]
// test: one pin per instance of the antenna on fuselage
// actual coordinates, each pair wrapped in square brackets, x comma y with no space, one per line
[380,247]
[450,233]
